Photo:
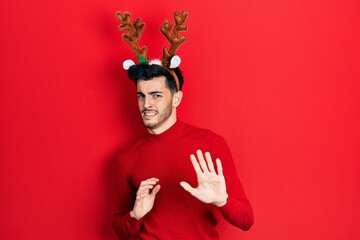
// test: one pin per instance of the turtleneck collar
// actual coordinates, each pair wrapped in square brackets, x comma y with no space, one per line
[168,134]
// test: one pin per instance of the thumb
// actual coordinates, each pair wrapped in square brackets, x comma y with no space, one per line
[155,190]
[188,188]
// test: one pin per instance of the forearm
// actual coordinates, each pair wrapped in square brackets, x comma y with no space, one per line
[125,226]
[238,212]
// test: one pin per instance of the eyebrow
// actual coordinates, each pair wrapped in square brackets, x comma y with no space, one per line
[156,92]
[153,92]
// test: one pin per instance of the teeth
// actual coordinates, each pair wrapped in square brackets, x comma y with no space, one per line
[149,113]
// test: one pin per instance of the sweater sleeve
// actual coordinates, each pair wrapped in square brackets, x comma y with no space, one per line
[124,225]
[237,211]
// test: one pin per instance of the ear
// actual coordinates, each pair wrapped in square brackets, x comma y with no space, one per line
[177,98]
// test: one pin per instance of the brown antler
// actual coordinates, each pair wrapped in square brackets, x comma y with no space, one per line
[135,30]
[173,37]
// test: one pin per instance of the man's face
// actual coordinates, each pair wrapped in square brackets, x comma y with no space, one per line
[155,104]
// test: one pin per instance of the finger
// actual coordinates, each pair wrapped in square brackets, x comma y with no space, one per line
[147,184]
[155,190]
[219,167]
[151,181]
[202,161]
[145,188]
[195,164]
[146,192]
[188,188]
[209,162]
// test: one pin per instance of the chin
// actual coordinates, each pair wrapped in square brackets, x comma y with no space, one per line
[150,125]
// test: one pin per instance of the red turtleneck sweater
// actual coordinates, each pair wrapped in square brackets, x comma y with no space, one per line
[176,213]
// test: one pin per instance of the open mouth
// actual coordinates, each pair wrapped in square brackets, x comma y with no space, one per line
[149,113]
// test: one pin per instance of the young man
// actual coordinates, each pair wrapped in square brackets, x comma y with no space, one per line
[162,193]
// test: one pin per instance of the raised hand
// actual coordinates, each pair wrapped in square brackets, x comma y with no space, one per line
[211,185]
[145,197]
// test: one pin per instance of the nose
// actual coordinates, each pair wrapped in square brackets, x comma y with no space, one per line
[148,102]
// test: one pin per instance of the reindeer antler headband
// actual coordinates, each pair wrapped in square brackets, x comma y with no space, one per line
[136,28]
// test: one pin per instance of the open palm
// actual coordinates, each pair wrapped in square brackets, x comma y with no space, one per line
[211,185]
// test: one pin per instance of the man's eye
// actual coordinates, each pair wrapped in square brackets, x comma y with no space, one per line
[156,95]
[140,96]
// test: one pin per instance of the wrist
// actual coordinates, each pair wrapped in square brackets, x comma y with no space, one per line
[132,214]
[221,203]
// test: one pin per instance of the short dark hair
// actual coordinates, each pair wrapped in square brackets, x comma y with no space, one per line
[146,72]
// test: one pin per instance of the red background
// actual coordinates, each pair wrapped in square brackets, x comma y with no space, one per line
[278,79]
